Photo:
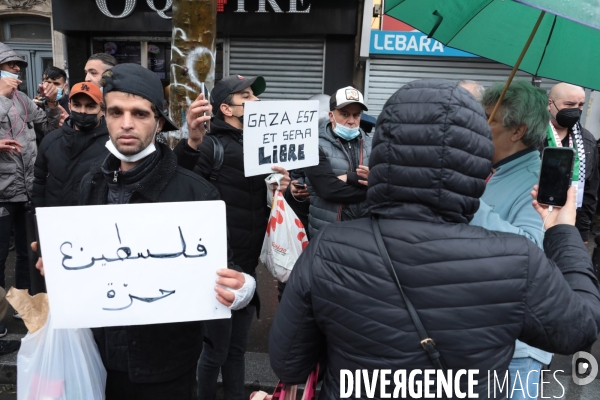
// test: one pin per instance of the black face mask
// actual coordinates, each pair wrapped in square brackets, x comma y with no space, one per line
[567,117]
[84,122]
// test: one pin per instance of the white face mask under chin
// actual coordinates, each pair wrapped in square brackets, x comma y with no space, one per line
[135,157]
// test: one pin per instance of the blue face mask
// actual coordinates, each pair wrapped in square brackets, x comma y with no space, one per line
[6,74]
[344,132]
[59,94]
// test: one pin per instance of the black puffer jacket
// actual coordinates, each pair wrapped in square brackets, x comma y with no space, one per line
[245,197]
[476,291]
[160,352]
[64,157]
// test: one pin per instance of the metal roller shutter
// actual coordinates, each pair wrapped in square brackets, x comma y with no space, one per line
[385,76]
[293,69]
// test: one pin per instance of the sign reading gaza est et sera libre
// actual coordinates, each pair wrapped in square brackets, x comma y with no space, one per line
[280,133]
[410,43]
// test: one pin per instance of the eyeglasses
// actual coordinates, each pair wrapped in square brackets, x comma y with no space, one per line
[12,64]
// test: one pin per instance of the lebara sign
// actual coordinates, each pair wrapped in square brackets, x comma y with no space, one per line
[410,43]
[399,38]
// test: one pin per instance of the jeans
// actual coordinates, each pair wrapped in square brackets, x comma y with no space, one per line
[119,387]
[528,380]
[224,349]
[14,214]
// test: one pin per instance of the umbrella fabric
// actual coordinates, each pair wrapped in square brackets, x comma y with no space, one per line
[562,49]
[586,12]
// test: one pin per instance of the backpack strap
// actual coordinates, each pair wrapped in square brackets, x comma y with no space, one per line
[218,155]
[426,342]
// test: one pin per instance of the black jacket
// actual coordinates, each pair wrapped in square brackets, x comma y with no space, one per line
[245,197]
[475,290]
[585,214]
[161,352]
[64,157]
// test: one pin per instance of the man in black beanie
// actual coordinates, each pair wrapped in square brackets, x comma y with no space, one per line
[149,361]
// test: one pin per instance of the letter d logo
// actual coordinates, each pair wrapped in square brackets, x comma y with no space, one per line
[580,367]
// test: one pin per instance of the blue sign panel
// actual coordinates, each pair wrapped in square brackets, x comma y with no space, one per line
[410,43]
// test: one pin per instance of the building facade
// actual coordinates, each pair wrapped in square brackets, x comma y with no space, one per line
[301,47]
[26,26]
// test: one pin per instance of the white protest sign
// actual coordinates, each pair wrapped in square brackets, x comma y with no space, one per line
[280,133]
[133,264]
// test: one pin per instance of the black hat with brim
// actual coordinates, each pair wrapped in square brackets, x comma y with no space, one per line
[140,81]
[233,84]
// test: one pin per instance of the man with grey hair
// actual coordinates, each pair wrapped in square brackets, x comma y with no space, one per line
[565,103]
[518,129]
[473,87]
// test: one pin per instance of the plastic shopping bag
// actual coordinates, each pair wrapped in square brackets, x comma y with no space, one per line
[60,364]
[285,238]
[285,392]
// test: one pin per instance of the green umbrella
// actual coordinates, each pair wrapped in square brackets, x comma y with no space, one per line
[587,12]
[511,33]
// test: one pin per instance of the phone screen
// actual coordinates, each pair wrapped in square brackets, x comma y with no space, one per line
[555,175]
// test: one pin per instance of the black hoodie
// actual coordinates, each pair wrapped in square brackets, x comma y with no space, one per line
[64,157]
[475,290]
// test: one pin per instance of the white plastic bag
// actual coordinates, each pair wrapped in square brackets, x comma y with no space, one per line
[60,364]
[285,238]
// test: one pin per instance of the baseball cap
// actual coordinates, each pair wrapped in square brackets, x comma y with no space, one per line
[344,96]
[135,79]
[88,89]
[233,84]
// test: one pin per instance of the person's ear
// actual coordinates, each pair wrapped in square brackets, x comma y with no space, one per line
[331,118]
[519,133]
[226,110]
[161,122]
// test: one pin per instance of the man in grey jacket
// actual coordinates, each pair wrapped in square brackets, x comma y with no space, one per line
[19,115]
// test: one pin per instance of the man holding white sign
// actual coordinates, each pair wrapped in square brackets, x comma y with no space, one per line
[338,185]
[219,156]
[148,361]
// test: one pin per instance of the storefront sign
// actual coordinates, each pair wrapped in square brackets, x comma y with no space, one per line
[262,6]
[130,6]
[410,43]
[280,133]
[235,18]
[241,7]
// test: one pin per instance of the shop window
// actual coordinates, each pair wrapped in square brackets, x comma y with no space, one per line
[27,30]
[159,54]
[124,52]
[159,59]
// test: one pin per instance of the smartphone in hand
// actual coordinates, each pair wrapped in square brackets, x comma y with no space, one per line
[206,97]
[555,175]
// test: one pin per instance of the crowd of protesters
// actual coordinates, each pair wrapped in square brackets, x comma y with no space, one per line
[428,225]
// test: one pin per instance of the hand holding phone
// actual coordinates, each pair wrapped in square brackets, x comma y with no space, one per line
[197,115]
[560,215]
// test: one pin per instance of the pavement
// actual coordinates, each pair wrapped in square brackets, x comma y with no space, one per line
[259,375]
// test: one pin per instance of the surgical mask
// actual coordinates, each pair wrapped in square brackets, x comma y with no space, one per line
[84,122]
[135,157]
[6,74]
[59,94]
[344,132]
[567,117]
